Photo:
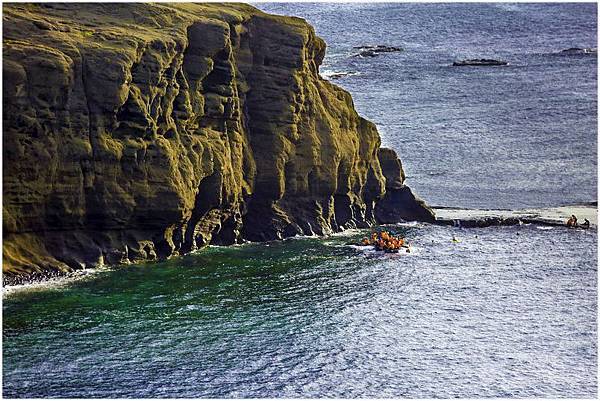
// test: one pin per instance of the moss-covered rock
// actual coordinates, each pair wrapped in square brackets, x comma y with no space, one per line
[136,131]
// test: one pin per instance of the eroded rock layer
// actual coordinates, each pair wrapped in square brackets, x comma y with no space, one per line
[134,132]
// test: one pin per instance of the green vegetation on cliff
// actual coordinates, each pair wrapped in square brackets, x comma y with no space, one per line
[140,131]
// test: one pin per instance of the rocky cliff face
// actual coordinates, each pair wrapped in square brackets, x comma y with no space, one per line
[134,132]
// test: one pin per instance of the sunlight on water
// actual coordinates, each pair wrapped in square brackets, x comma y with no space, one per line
[496,315]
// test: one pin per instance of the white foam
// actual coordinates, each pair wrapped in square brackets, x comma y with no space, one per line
[410,224]
[332,74]
[54,282]
[361,247]
[347,232]
[369,249]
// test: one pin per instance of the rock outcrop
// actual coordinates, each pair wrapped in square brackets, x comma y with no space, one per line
[479,62]
[135,132]
[374,51]
[579,50]
[380,48]
[399,203]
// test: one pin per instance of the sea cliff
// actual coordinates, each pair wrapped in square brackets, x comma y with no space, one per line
[136,132]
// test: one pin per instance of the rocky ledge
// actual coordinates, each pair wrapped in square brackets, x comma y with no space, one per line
[136,132]
[556,216]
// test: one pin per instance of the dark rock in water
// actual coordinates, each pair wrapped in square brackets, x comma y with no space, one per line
[481,222]
[213,126]
[367,53]
[374,51]
[402,205]
[491,221]
[380,48]
[337,75]
[578,50]
[399,203]
[479,62]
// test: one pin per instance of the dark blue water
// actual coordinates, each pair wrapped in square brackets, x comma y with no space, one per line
[519,136]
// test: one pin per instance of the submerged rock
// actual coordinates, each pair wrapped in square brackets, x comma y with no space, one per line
[367,53]
[479,62]
[578,50]
[150,130]
[374,51]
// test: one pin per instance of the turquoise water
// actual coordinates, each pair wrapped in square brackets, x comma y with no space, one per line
[509,313]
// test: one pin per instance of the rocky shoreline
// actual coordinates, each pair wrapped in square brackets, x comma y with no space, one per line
[34,278]
[464,218]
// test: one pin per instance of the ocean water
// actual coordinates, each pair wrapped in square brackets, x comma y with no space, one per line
[524,135]
[506,312]
[509,313]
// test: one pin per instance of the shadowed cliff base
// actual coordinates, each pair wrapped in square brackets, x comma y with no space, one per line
[543,218]
[136,132]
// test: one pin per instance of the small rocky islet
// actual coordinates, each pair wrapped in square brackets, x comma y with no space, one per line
[374,51]
[579,50]
[479,62]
